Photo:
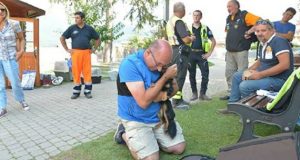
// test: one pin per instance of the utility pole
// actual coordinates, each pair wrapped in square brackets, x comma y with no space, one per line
[167,5]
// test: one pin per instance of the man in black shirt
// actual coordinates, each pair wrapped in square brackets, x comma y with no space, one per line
[201,50]
[81,35]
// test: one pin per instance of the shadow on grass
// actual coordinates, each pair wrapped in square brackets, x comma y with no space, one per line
[204,129]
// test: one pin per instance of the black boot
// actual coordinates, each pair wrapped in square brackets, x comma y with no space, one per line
[76,91]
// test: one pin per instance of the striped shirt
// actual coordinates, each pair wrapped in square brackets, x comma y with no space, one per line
[8,40]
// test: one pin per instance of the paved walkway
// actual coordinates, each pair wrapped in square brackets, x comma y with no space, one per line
[56,123]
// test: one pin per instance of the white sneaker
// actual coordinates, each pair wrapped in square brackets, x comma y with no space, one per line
[25,106]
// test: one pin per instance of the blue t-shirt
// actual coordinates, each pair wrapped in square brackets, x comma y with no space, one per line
[284,27]
[268,55]
[81,37]
[134,69]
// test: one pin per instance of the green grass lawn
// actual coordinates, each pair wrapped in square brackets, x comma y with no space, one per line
[204,129]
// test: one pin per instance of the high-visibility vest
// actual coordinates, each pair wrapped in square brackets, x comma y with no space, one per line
[206,43]
[172,38]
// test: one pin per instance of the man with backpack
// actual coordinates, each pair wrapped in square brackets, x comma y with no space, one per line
[201,50]
[239,28]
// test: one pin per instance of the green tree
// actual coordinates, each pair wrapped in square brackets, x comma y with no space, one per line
[100,16]
[140,12]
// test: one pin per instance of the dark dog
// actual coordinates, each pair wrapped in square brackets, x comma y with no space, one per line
[167,114]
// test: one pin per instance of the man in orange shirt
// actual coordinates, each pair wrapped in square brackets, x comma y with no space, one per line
[239,28]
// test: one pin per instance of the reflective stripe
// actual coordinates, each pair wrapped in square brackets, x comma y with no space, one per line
[178,95]
[76,91]
[87,91]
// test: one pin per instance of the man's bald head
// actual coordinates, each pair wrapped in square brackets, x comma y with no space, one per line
[161,47]
[161,54]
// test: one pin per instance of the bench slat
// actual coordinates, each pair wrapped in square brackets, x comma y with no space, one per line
[248,98]
[255,100]
[263,103]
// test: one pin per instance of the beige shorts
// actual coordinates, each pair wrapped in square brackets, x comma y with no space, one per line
[145,139]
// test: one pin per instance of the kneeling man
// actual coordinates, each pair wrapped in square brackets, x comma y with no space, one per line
[140,86]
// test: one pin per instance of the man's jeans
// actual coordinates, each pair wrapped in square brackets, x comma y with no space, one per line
[241,89]
[10,68]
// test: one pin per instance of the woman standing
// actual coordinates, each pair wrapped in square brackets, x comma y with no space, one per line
[11,49]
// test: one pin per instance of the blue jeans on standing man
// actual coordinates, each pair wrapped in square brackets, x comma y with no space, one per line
[10,68]
[243,88]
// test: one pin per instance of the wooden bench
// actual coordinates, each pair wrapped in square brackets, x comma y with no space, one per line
[252,109]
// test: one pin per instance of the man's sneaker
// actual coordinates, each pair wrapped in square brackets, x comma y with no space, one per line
[224,98]
[25,106]
[74,96]
[194,97]
[118,135]
[182,104]
[88,95]
[204,97]
[3,113]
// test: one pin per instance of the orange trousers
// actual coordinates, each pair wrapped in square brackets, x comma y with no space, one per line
[81,64]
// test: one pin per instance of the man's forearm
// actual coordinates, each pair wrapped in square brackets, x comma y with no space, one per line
[279,68]
[213,44]
[63,43]
[97,44]
[255,65]
[152,92]
[289,36]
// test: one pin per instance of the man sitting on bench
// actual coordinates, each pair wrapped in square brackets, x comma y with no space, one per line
[270,70]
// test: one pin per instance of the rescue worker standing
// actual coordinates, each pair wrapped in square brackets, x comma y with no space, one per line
[201,50]
[180,39]
[81,35]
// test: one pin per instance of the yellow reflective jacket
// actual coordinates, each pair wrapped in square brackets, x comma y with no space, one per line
[206,43]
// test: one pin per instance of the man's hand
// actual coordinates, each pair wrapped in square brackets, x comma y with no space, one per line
[171,72]
[93,51]
[70,51]
[193,37]
[251,75]
[255,75]
[162,96]
[247,35]
[206,55]
[246,74]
